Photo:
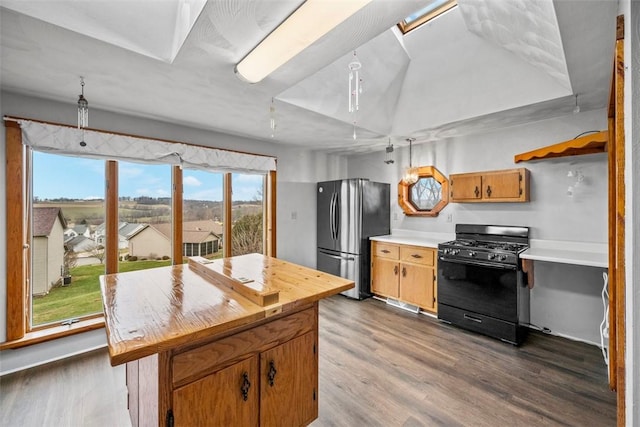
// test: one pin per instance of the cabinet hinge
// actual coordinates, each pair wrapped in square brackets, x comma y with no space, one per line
[520,177]
[169,422]
[521,191]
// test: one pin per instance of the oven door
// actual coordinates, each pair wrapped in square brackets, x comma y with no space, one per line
[484,288]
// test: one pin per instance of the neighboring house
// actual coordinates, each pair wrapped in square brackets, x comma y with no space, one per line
[201,237]
[82,230]
[156,240]
[125,231]
[149,241]
[48,248]
[79,244]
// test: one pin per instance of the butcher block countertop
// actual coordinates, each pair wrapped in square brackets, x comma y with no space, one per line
[151,311]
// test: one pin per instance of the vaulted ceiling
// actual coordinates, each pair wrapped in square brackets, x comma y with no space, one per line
[483,65]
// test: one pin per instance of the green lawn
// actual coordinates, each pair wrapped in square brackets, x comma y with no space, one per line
[82,296]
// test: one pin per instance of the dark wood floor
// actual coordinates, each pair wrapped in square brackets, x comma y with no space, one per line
[379,366]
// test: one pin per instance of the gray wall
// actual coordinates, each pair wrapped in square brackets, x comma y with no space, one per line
[565,299]
[298,170]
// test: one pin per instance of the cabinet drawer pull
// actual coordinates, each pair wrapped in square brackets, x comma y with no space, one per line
[489,190]
[395,270]
[404,271]
[246,385]
[416,256]
[271,375]
[385,251]
[477,191]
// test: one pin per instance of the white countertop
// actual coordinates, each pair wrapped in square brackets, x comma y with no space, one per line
[577,253]
[415,238]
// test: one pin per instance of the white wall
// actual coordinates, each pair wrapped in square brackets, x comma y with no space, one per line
[295,165]
[565,299]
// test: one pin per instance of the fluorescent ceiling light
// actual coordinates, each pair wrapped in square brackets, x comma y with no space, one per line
[308,23]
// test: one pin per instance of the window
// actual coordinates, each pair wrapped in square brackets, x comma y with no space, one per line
[247,212]
[144,216]
[202,213]
[122,202]
[433,9]
[67,213]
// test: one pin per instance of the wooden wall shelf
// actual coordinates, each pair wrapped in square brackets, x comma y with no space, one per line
[588,144]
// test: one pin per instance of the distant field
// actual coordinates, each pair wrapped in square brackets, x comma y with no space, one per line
[131,211]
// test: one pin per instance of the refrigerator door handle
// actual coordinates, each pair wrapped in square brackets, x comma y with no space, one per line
[337,214]
[332,215]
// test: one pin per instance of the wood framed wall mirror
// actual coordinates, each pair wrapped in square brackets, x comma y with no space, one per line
[427,196]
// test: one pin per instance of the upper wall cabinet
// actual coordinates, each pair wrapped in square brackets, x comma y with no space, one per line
[511,185]
[427,196]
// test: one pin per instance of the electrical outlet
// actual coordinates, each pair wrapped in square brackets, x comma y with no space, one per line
[449,217]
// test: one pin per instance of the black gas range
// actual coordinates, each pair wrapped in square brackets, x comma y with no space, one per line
[481,286]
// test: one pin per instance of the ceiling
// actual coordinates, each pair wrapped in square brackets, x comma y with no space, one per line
[484,65]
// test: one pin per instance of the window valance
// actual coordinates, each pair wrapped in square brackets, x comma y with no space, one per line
[104,145]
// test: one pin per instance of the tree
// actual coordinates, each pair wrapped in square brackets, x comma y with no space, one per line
[98,252]
[70,260]
[246,235]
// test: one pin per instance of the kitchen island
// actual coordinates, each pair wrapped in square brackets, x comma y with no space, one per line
[225,342]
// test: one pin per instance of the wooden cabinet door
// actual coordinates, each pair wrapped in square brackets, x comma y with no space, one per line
[219,398]
[466,187]
[384,277]
[504,185]
[289,383]
[416,285]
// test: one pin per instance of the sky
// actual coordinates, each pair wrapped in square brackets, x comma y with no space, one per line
[56,176]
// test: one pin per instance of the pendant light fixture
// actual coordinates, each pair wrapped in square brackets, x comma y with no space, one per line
[272,118]
[355,89]
[576,109]
[83,108]
[389,153]
[410,174]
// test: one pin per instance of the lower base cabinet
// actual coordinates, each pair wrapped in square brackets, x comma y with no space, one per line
[406,273]
[263,376]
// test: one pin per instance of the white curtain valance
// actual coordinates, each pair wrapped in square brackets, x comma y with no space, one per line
[103,145]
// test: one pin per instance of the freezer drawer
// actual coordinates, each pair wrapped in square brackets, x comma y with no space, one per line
[343,265]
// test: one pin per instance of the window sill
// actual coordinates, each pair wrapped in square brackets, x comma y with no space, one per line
[48,334]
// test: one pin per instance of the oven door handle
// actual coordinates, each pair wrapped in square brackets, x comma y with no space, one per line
[479,263]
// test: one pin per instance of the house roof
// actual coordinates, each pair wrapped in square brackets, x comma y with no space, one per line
[80,228]
[44,218]
[204,225]
[128,229]
[190,232]
[74,241]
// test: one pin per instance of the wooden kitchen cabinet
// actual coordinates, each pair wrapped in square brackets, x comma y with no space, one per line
[406,273]
[244,394]
[511,185]
[266,375]
[203,354]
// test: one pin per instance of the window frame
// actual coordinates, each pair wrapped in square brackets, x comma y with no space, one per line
[406,27]
[19,332]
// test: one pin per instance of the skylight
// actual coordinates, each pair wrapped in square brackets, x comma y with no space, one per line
[432,9]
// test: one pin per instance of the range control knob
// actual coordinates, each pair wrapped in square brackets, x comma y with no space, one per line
[472,253]
[503,257]
[491,256]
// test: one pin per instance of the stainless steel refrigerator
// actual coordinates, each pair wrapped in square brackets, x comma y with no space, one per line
[350,211]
